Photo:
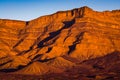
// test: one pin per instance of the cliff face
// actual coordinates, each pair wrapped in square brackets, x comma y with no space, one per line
[9,33]
[80,33]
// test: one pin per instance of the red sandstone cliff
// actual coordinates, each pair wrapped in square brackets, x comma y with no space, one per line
[81,33]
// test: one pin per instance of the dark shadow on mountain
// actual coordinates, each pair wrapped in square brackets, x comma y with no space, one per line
[12,70]
[108,61]
[55,33]
[37,57]
[27,23]
[71,48]
[110,57]
[49,49]
[18,43]
[77,41]
[91,76]
[96,66]
[46,60]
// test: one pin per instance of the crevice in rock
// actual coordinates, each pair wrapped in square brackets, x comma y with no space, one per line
[46,60]
[71,59]
[49,49]
[5,63]
[27,23]
[25,51]
[78,40]
[18,43]
[69,33]
[23,32]
[16,50]
[37,57]
[21,40]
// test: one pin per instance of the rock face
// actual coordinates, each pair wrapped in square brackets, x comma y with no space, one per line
[81,33]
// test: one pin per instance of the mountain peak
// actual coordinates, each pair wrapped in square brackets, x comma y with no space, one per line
[86,7]
[77,12]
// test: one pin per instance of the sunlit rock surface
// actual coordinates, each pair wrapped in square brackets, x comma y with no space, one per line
[39,46]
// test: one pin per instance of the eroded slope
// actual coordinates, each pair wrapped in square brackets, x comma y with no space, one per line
[81,34]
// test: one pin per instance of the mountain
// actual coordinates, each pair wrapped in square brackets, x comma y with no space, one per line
[60,42]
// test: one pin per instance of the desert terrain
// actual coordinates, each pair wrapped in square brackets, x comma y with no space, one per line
[77,44]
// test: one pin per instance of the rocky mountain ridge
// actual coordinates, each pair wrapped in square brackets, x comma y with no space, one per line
[81,34]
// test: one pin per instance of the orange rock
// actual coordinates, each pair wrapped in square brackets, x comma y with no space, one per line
[81,33]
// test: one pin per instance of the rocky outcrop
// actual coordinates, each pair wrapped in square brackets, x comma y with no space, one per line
[9,35]
[81,33]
